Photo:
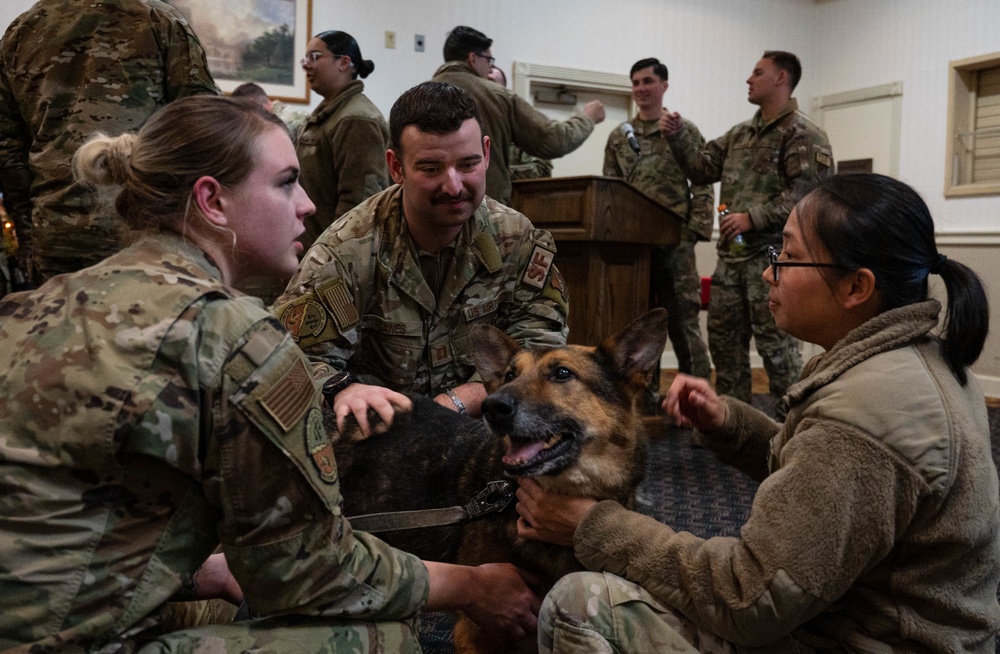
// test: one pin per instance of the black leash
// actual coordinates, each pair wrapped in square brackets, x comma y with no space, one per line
[492,499]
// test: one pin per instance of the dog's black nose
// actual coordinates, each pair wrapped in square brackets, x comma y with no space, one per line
[499,409]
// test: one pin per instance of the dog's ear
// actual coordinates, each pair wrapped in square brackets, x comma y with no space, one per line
[491,354]
[636,349]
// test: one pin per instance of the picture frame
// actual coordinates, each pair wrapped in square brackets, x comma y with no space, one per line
[259,41]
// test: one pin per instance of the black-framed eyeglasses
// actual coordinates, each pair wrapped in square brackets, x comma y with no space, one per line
[772,260]
[486,57]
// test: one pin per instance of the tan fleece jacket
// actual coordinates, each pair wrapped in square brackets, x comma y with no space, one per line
[877,529]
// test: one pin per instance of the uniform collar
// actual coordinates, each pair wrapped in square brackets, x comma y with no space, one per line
[337,100]
[475,248]
[790,107]
[456,67]
[886,331]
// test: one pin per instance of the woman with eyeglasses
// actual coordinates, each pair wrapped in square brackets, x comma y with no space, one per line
[342,145]
[876,526]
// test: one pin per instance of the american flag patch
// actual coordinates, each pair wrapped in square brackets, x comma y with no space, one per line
[336,298]
[290,397]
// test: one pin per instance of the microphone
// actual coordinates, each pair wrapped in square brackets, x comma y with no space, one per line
[633,142]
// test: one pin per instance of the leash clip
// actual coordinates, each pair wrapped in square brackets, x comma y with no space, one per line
[494,498]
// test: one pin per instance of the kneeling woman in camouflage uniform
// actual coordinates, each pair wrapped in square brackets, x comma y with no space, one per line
[149,412]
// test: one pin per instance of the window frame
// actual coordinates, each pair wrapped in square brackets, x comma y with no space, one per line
[963,78]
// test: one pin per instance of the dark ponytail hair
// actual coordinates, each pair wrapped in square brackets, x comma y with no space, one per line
[876,222]
[342,43]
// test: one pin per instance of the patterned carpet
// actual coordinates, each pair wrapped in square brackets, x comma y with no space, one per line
[686,488]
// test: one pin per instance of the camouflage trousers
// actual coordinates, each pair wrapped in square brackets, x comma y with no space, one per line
[738,310]
[675,285]
[598,612]
[299,634]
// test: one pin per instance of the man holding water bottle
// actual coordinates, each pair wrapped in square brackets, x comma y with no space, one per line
[765,165]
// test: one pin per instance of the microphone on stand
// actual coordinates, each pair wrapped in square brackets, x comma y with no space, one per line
[633,142]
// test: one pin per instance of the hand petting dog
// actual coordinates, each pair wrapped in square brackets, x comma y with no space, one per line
[549,517]
[692,402]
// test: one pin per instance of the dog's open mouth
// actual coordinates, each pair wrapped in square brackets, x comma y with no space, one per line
[532,457]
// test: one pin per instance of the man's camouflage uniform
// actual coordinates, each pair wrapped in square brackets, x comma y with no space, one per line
[68,69]
[526,166]
[361,300]
[764,169]
[341,150]
[146,414]
[674,282]
[509,118]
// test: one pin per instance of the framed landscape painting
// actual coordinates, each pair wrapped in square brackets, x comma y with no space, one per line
[258,41]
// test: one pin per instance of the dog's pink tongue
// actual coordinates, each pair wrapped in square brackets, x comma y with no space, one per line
[520,451]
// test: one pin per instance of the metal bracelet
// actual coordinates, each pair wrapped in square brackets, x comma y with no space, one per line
[457,401]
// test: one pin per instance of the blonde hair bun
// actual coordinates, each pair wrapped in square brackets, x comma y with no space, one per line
[104,160]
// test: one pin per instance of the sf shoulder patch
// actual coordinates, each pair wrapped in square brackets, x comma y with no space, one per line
[288,399]
[824,158]
[538,268]
[319,448]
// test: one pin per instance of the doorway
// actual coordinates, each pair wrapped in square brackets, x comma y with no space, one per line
[560,93]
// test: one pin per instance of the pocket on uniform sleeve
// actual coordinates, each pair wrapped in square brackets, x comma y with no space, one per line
[280,398]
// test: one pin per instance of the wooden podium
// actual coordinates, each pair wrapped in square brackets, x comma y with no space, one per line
[605,230]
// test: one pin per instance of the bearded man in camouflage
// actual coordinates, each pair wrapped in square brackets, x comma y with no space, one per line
[385,299]
[69,69]
[766,165]
[674,283]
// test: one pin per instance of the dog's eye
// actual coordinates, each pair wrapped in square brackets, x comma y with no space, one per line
[562,373]
[509,377]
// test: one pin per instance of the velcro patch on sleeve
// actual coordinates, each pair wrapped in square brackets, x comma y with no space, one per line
[307,321]
[319,448]
[303,318]
[556,289]
[538,267]
[488,252]
[824,159]
[338,300]
[290,397]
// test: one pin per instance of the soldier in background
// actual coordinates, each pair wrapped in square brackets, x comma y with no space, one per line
[674,282]
[68,69]
[766,165]
[385,299]
[522,164]
[254,93]
[507,118]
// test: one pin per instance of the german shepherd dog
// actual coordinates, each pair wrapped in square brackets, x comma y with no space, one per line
[567,416]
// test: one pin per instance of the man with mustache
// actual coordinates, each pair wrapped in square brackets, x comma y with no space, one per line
[384,300]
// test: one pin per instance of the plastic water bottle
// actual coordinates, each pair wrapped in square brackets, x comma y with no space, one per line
[737,246]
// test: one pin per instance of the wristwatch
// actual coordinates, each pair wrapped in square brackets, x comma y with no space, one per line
[337,383]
